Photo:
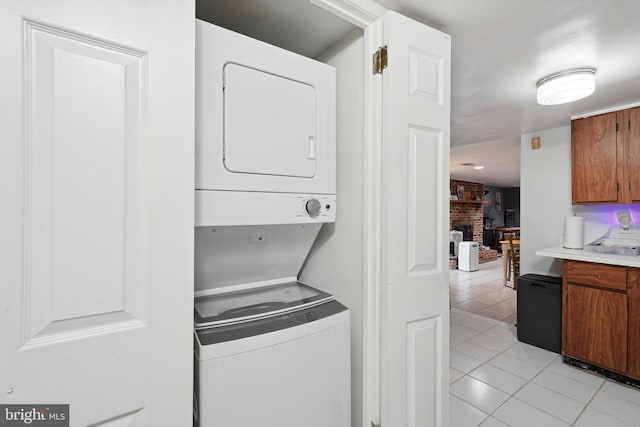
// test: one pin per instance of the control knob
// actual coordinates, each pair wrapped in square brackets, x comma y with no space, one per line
[313,207]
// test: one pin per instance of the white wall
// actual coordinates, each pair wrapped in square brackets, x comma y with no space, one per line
[335,261]
[546,200]
[545,190]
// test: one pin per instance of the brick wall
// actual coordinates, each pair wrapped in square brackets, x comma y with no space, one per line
[468,211]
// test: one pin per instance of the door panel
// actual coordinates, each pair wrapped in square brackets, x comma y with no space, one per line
[81,173]
[593,159]
[633,155]
[597,326]
[415,322]
[96,258]
[425,148]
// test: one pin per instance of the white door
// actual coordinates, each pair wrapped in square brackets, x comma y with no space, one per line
[415,222]
[96,179]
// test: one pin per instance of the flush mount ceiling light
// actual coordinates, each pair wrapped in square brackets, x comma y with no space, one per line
[566,86]
[475,165]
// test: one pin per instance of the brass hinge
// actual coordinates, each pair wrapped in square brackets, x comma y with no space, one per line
[380,60]
[374,424]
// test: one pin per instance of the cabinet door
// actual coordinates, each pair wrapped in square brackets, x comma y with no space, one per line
[633,327]
[633,155]
[596,326]
[593,159]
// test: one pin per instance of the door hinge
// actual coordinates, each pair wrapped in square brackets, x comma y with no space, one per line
[380,60]
[617,186]
[616,127]
[374,424]
[629,124]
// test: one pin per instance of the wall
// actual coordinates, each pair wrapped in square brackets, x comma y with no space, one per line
[335,262]
[545,185]
[546,201]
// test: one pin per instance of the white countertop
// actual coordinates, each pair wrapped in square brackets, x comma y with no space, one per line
[582,255]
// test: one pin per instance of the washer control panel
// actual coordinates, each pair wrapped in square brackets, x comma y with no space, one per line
[317,206]
[218,208]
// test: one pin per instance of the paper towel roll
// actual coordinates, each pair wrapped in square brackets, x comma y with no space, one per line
[574,232]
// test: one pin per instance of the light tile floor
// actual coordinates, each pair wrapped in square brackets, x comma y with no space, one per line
[497,381]
[483,292]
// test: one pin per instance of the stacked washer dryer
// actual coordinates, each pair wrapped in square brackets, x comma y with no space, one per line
[269,350]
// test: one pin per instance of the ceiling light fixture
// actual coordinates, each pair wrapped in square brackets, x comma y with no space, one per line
[475,165]
[566,86]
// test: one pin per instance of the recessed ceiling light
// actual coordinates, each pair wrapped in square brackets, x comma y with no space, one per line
[566,86]
[475,165]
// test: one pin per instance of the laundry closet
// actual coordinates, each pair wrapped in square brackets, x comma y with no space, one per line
[383,257]
[278,182]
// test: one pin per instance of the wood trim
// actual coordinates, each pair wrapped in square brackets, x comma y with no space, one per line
[565,308]
[633,323]
[361,13]
[606,110]
[633,338]
[633,155]
[372,224]
[622,155]
[472,202]
[367,14]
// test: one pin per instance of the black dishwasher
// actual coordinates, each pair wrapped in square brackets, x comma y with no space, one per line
[540,311]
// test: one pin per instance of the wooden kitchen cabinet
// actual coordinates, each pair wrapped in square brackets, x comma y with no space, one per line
[601,316]
[605,158]
[633,322]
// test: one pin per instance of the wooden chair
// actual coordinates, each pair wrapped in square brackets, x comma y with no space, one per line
[514,260]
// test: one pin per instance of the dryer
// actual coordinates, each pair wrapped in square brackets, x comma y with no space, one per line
[265,123]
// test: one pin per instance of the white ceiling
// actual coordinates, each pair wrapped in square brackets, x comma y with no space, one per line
[500,48]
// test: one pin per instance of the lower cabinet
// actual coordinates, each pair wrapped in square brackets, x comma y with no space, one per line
[633,324]
[601,316]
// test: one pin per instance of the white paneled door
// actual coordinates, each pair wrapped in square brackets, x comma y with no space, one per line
[415,222]
[96,221]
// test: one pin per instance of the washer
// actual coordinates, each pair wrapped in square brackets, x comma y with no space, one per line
[272,356]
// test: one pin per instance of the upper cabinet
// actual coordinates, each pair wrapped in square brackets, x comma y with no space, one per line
[605,158]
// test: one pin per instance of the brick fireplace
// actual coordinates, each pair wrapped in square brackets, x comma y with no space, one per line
[466,214]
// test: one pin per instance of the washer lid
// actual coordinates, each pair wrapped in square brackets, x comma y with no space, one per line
[254,303]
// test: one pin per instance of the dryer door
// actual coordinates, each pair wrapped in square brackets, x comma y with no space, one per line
[280,137]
